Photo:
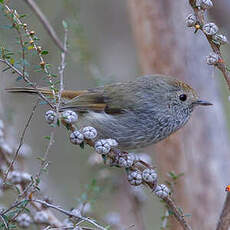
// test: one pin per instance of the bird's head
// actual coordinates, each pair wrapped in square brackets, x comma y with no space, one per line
[185,96]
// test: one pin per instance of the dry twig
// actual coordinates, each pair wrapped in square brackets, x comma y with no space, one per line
[224,220]
[70,214]
[16,19]
[21,141]
[46,24]
[61,70]
[215,47]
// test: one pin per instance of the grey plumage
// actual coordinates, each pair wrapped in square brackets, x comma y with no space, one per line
[150,110]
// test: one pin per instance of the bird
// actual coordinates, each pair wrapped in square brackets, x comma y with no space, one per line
[135,113]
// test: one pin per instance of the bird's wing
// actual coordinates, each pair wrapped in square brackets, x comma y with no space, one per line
[87,101]
[111,99]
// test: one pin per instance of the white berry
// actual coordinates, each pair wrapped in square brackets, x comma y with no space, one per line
[190,20]
[135,178]
[102,146]
[41,217]
[76,137]
[212,59]
[206,4]
[51,117]
[126,161]
[162,191]
[89,132]
[220,38]
[149,175]
[210,28]
[69,116]
[24,220]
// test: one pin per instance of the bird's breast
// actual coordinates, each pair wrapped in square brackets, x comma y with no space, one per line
[132,130]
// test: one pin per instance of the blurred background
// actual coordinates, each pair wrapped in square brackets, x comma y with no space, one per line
[104,47]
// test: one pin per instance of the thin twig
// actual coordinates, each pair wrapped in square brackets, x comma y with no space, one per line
[46,24]
[4,222]
[21,141]
[69,213]
[44,163]
[26,79]
[23,51]
[215,47]
[84,228]
[165,220]
[11,207]
[224,220]
[177,214]
[35,46]
[49,145]
[61,70]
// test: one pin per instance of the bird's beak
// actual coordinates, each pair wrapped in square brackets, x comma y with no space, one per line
[201,102]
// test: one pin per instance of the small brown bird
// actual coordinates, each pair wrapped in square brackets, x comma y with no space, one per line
[135,113]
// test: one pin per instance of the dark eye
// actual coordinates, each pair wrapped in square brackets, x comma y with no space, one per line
[183,97]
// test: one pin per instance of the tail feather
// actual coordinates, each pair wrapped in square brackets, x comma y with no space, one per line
[67,94]
[28,90]
[79,100]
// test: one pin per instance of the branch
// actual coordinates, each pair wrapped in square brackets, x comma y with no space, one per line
[177,214]
[21,142]
[16,20]
[61,69]
[139,165]
[46,24]
[199,13]
[69,213]
[224,220]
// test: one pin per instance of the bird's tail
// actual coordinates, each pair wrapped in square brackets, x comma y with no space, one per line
[67,94]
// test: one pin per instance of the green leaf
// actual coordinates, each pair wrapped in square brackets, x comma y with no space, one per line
[82,145]
[37,180]
[12,61]
[40,159]
[171,213]
[22,15]
[53,125]
[27,210]
[42,103]
[17,189]
[187,215]
[180,210]
[67,126]
[44,52]
[47,137]
[84,197]
[23,203]
[19,78]
[56,82]
[36,38]
[30,47]
[65,25]
[2,1]
[7,68]
[53,75]
[58,122]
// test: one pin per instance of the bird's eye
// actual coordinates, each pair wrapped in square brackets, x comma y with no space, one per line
[183,97]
